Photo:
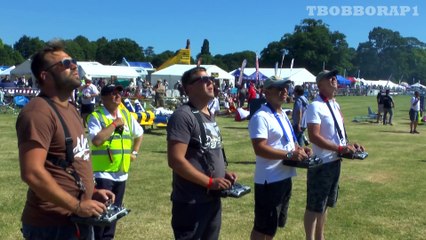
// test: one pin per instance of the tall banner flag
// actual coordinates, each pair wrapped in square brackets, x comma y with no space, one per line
[199,61]
[240,78]
[257,69]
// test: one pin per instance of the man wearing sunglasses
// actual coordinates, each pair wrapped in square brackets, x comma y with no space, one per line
[116,138]
[273,140]
[329,140]
[198,165]
[57,169]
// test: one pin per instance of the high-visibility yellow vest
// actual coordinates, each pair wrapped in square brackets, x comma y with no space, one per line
[114,154]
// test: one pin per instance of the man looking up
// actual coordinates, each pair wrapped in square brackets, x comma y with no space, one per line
[273,140]
[197,162]
[57,170]
[328,137]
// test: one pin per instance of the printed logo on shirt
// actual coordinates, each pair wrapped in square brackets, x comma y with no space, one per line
[82,150]
[214,139]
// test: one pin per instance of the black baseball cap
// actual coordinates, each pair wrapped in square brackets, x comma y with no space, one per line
[110,88]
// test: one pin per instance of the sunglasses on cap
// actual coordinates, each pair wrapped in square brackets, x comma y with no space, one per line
[66,62]
[204,79]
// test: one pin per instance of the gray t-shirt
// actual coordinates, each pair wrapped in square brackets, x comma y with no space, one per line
[300,104]
[183,127]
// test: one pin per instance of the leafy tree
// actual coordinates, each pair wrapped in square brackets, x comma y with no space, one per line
[116,49]
[233,61]
[8,56]
[312,45]
[74,49]
[27,46]
[159,59]
[89,48]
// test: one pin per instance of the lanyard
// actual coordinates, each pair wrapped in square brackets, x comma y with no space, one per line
[281,124]
[343,139]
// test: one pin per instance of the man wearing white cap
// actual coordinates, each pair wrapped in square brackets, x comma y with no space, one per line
[273,140]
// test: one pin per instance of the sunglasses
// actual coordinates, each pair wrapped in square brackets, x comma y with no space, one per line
[204,79]
[66,62]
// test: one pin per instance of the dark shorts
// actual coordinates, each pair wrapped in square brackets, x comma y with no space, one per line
[67,232]
[271,205]
[414,115]
[197,221]
[87,108]
[323,186]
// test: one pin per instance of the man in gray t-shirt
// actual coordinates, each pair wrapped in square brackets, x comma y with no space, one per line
[198,164]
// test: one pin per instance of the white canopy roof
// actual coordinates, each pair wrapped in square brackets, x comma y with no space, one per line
[382,83]
[97,70]
[174,73]
[297,75]
[23,68]
[419,85]
[7,71]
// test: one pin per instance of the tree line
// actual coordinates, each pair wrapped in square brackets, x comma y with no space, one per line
[386,54]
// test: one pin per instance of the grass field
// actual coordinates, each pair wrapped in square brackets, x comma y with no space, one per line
[382,197]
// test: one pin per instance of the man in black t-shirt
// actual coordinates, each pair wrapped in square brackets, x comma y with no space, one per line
[198,167]
[388,104]
[379,105]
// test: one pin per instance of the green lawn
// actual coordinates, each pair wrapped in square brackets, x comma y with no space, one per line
[380,198]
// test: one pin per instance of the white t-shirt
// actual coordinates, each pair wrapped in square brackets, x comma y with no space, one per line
[89,90]
[94,127]
[214,106]
[319,113]
[264,125]
[417,106]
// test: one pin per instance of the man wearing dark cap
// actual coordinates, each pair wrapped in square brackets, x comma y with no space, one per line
[328,137]
[116,138]
[198,165]
[273,140]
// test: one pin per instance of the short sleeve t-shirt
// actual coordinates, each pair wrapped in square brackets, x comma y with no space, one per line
[37,122]
[183,127]
[319,113]
[264,125]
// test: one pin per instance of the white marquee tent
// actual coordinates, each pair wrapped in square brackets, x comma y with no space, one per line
[174,73]
[297,75]
[97,70]
[22,69]
[382,83]
[7,71]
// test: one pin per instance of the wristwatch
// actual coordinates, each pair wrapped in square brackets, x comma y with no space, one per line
[135,153]
[289,155]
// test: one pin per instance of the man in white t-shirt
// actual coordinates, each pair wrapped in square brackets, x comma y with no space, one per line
[327,144]
[273,140]
[414,112]
[89,92]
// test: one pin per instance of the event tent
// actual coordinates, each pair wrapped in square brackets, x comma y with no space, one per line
[418,85]
[22,69]
[297,75]
[97,70]
[174,73]
[6,71]
[342,80]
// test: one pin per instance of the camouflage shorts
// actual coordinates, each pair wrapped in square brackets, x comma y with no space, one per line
[323,186]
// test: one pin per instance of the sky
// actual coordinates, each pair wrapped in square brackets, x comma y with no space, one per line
[229,25]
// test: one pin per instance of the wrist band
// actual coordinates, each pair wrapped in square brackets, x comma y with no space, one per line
[210,183]
[113,123]
[340,149]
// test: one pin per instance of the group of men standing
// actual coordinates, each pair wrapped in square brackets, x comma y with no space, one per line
[55,160]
